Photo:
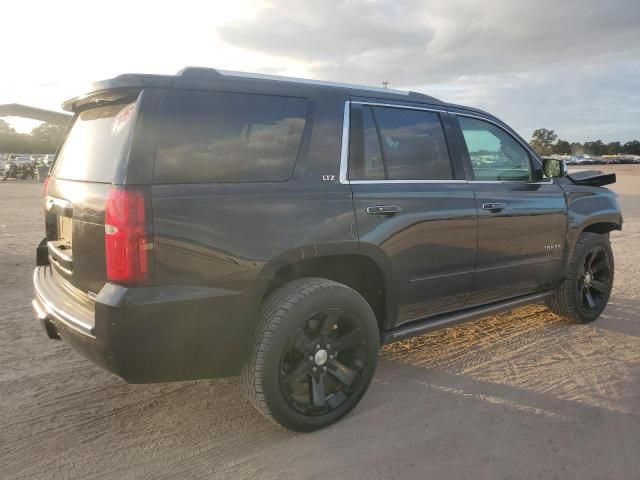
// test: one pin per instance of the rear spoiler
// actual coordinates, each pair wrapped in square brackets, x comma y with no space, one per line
[115,88]
[592,178]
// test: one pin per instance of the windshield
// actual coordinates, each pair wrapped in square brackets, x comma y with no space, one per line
[98,139]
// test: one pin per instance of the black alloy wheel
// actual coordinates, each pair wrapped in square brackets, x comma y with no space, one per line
[314,354]
[594,280]
[584,292]
[323,362]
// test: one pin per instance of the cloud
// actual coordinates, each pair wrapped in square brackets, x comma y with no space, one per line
[414,42]
[580,103]
[324,34]
[573,63]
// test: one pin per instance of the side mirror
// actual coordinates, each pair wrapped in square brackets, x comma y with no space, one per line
[552,167]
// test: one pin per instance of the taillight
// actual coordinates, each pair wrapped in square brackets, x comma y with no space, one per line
[126,238]
[46,185]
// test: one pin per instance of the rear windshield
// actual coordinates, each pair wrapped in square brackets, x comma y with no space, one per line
[229,137]
[98,139]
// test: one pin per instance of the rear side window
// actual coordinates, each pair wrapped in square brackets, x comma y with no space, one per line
[98,139]
[229,137]
[411,142]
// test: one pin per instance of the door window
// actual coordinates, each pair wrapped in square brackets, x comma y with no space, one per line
[494,154]
[397,144]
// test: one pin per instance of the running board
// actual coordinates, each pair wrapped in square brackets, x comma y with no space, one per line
[420,327]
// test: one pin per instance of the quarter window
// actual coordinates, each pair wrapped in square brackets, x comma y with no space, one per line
[229,137]
[494,154]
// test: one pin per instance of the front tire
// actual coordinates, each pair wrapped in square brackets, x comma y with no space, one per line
[585,291]
[314,355]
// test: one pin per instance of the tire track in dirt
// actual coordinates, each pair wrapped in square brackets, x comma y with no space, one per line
[533,349]
[492,401]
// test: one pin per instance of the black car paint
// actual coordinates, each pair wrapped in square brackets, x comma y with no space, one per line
[219,247]
[88,270]
[589,208]
[430,246]
[514,244]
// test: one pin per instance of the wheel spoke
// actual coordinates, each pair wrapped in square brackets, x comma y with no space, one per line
[600,265]
[349,340]
[300,340]
[336,399]
[590,258]
[312,380]
[589,298]
[318,397]
[296,375]
[599,286]
[343,373]
[331,317]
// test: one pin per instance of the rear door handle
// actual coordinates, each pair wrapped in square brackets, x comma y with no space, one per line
[383,209]
[494,207]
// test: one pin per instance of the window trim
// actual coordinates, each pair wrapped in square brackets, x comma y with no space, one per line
[344,152]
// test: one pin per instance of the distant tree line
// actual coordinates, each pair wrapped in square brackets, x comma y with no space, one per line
[546,142]
[45,138]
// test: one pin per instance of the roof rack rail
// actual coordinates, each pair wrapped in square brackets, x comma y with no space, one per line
[205,72]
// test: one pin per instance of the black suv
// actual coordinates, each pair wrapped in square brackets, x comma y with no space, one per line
[216,223]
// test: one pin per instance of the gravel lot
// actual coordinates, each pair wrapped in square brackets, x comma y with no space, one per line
[517,395]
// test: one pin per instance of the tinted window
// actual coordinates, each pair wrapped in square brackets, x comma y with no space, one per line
[365,156]
[229,137]
[96,142]
[494,154]
[413,144]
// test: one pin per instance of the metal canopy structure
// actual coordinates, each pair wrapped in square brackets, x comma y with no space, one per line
[49,116]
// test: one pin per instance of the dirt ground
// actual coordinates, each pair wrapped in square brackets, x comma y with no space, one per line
[517,395]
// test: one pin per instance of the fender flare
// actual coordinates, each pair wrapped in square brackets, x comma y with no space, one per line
[299,254]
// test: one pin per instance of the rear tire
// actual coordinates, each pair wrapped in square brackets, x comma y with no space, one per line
[314,355]
[585,291]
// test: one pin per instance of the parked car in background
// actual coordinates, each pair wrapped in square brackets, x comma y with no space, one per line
[48,159]
[20,168]
[599,160]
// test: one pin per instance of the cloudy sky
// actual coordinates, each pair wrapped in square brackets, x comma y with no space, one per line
[571,65]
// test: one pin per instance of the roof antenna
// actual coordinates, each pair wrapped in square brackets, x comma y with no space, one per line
[385,84]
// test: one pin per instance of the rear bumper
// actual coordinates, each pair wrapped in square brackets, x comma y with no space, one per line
[51,301]
[149,334]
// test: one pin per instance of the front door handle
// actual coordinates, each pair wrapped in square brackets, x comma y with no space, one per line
[383,210]
[494,207]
